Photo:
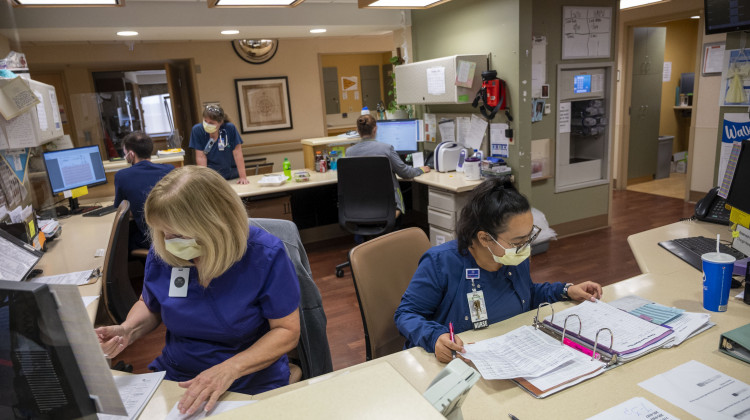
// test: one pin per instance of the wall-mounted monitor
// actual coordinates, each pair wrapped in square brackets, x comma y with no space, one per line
[726,16]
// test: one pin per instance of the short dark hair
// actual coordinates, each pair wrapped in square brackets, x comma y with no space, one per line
[489,209]
[366,124]
[139,143]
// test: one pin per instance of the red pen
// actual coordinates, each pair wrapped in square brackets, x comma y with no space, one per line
[453,339]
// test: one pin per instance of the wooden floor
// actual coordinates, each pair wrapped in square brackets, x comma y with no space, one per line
[603,256]
[672,186]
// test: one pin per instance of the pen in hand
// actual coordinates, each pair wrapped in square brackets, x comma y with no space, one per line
[453,339]
[512,417]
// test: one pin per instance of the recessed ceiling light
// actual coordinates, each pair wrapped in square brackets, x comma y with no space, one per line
[68,2]
[253,3]
[317,31]
[401,4]
[627,4]
[695,17]
[230,32]
[127,33]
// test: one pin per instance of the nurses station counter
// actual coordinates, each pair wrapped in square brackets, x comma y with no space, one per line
[391,386]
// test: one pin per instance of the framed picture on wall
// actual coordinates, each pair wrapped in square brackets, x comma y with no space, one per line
[263,104]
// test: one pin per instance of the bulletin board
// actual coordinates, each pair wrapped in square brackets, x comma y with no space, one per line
[586,32]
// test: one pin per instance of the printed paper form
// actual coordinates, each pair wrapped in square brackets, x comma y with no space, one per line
[702,391]
[630,332]
[436,80]
[581,366]
[55,108]
[16,97]
[15,262]
[221,407]
[135,391]
[523,352]
[538,65]
[498,142]
[76,278]
[447,130]
[564,117]
[634,409]
[41,114]
[465,73]
[476,132]
[20,131]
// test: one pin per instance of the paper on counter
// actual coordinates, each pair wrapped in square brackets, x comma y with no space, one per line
[220,407]
[88,300]
[417,159]
[76,278]
[135,391]
[687,325]
[702,391]
[634,408]
[100,252]
[519,353]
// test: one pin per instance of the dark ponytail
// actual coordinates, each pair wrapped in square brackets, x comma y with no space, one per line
[491,205]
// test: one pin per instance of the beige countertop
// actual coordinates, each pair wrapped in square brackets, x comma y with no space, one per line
[115,166]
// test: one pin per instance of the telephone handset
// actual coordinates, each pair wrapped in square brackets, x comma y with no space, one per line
[711,208]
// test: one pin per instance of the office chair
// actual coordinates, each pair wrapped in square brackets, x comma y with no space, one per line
[382,269]
[367,203]
[118,295]
[312,357]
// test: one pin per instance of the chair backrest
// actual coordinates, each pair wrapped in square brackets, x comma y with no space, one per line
[366,197]
[382,269]
[313,352]
[117,292]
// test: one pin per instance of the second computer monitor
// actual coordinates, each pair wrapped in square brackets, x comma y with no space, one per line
[738,193]
[73,168]
[401,134]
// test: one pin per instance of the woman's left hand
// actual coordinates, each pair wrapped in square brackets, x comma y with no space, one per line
[208,386]
[587,290]
[243,181]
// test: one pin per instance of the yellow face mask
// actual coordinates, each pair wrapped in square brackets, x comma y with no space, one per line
[512,256]
[209,128]
[187,249]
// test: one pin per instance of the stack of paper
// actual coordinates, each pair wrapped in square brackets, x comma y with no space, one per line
[77,278]
[135,391]
[50,227]
[685,325]
[632,336]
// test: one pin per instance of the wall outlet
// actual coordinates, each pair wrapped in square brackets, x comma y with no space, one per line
[547,108]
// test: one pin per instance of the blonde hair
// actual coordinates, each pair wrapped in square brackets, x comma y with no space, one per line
[196,202]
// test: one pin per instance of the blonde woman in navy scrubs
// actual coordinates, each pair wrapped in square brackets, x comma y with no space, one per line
[227,293]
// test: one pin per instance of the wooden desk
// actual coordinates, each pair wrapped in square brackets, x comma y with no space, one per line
[74,250]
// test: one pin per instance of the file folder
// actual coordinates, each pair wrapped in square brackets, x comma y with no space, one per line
[736,343]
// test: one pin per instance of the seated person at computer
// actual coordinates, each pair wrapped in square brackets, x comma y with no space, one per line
[227,293]
[218,145]
[367,128]
[134,183]
[493,234]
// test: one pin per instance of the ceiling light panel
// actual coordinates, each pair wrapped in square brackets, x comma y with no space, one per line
[399,4]
[22,3]
[627,4]
[253,3]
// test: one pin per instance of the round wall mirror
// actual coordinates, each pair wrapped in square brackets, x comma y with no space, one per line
[255,51]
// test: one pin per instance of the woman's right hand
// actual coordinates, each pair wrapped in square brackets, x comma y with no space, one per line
[113,339]
[425,169]
[444,347]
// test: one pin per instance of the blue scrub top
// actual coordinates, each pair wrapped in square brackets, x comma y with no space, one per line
[222,161]
[134,184]
[212,324]
[437,295]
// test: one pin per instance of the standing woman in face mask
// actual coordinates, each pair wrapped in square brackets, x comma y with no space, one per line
[218,145]
[227,293]
[480,278]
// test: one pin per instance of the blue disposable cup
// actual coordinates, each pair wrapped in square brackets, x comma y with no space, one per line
[717,280]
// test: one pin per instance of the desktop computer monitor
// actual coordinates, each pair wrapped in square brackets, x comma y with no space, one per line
[739,192]
[51,366]
[73,168]
[401,134]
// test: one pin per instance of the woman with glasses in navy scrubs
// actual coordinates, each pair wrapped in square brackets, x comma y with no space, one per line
[218,145]
[480,278]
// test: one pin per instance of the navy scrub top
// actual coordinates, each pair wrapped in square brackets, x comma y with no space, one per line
[212,324]
[222,161]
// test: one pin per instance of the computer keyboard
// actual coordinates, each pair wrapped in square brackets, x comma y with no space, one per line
[691,249]
[100,211]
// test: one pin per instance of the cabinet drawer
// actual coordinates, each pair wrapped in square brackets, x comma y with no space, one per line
[270,208]
[441,218]
[440,236]
[446,200]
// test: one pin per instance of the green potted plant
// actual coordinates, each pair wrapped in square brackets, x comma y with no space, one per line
[394,111]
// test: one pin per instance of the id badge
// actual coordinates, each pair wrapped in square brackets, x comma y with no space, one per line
[477,309]
[222,141]
[178,283]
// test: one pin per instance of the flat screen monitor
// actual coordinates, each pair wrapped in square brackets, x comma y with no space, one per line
[51,366]
[738,196]
[403,135]
[726,16]
[73,168]
[582,83]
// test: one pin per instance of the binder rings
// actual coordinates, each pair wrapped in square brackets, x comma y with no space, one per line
[736,343]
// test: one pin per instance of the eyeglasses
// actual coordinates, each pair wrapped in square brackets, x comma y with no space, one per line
[214,109]
[520,246]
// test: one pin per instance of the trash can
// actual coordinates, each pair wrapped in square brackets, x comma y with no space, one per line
[664,157]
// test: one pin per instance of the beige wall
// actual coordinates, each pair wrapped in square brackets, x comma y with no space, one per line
[4,46]
[218,67]
[679,50]
[348,65]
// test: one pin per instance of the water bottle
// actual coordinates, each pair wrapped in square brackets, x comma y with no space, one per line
[365,110]
[287,169]
[334,159]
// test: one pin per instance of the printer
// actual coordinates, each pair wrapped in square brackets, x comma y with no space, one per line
[446,156]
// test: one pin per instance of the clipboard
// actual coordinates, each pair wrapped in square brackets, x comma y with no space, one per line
[21,256]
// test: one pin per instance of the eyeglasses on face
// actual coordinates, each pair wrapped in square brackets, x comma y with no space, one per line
[520,246]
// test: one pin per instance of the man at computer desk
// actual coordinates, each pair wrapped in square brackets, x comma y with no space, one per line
[134,183]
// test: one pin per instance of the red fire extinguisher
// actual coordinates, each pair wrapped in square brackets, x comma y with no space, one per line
[492,93]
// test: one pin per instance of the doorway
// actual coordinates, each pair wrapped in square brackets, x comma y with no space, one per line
[661,90]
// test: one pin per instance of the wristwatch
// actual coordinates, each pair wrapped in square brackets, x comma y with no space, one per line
[565,295]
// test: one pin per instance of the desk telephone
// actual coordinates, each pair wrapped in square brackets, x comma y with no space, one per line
[711,208]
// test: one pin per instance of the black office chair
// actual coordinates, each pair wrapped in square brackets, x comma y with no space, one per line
[117,291]
[367,201]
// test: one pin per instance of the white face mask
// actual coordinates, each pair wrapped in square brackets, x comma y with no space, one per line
[209,128]
[511,257]
[187,249]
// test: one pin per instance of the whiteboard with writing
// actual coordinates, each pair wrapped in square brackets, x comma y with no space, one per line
[586,32]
